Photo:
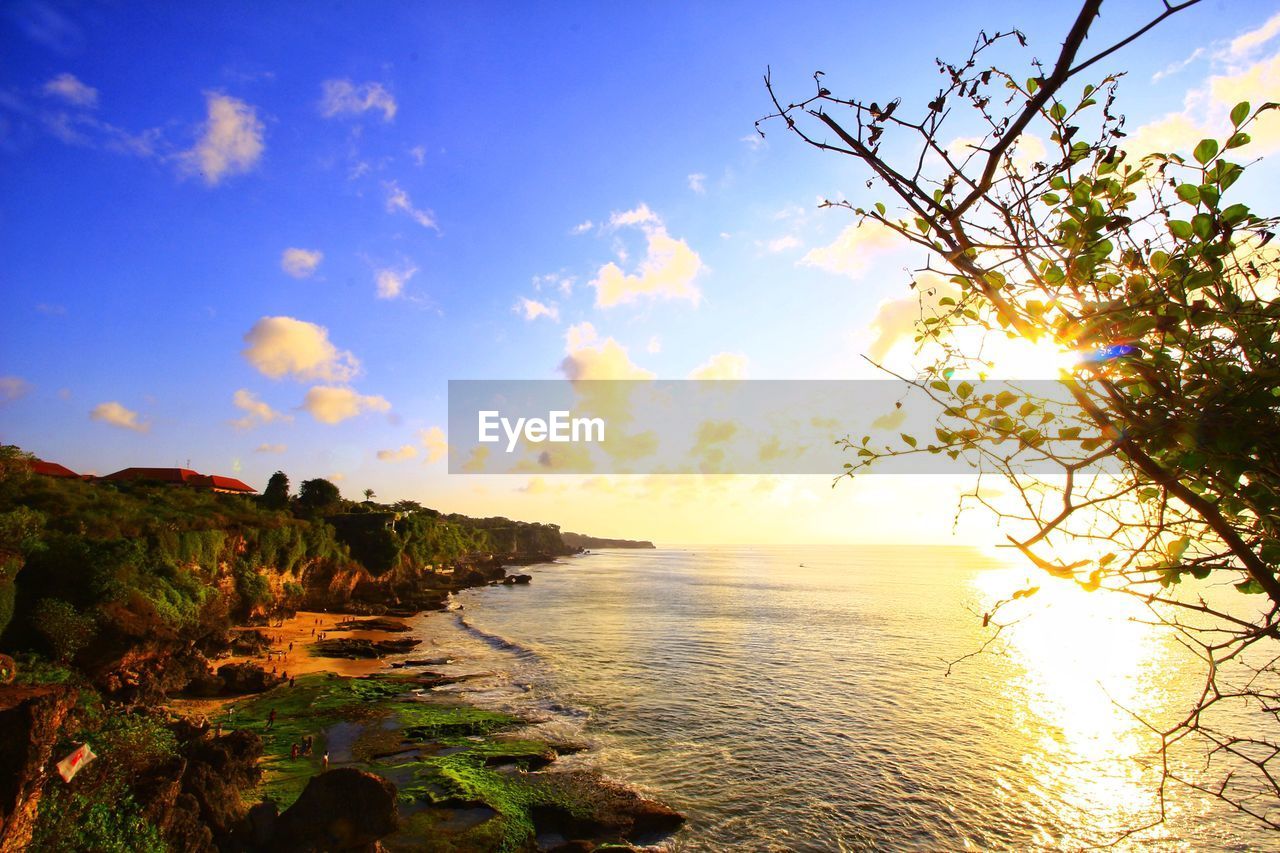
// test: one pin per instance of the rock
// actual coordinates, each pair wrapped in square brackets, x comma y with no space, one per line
[250,643]
[606,811]
[341,810]
[246,677]
[378,623]
[30,721]
[217,770]
[346,647]
[509,580]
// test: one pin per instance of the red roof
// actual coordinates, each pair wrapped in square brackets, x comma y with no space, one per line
[227,484]
[51,469]
[178,476]
[183,477]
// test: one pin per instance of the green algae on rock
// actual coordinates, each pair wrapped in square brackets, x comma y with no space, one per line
[468,779]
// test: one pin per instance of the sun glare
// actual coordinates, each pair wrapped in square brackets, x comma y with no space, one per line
[1019,358]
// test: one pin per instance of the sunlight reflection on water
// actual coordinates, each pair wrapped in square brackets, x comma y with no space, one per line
[804,707]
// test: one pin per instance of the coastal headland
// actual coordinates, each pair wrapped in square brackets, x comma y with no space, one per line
[238,672]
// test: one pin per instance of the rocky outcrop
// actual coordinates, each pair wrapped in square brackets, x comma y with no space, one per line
[606,812]
[240,678]
[377,623]
[341,810]
[31,719]
[512,580]
[347,647]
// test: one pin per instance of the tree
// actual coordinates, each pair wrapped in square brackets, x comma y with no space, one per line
[368,494]
[1163,283]
[276,494]
[319,496]
[65,628]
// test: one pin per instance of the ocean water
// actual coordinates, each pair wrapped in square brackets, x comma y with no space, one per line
[799,698]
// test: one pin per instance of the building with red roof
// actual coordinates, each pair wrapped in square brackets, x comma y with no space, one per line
[184,477]
[52,469]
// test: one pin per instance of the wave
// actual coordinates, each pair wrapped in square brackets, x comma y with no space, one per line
[522,652]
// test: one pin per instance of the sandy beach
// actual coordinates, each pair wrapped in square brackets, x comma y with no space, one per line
[291,654]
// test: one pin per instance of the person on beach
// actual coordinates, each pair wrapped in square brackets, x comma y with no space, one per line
[324,763]
[293,751]
[271,718]
[291,680]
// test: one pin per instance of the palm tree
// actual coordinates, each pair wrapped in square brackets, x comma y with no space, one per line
[368,494]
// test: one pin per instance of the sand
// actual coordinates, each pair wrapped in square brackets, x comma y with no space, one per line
[303,629]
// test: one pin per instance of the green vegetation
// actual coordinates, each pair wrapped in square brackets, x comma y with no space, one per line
[80,560]
[100,812]
[438,755]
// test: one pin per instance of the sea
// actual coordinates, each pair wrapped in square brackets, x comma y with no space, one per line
[850,697]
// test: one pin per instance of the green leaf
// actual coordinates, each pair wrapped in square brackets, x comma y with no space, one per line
[1058,112]
[908,439]
[1239,113]
[1235,213]
[1189,193]
[1181,229]
[1239,139]
[1250,587]
[1051,198]
[963,390]
[1202,224]
[1206,151]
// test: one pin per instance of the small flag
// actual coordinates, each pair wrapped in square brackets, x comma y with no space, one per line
[70,766]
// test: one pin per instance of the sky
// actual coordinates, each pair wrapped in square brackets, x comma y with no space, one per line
[250,237]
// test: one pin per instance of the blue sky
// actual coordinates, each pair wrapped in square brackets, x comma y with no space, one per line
[437,166]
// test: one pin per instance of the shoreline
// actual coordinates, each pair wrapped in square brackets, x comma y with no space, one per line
[465,774]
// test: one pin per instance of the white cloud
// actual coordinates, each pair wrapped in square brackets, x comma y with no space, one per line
[724,365]
[560,281]
[256,411]
[398,201]
[331,404]
[391,280]
[230,141]
[118,416]
[271,448]
[345,98]
[1206,108]
[698,183]
[1246,43]
[851,251]
[588,357]
[285,346]
[69,88]
[896,319]
[434,441]
[533,309]
[13,387]
[782,244]
[300,263]
[582,227]
[668,270]
[407,451]
[641,215]
[1175,67]
[419,154]
[654,346]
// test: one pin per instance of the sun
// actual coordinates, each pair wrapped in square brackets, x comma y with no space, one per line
[1020,358]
